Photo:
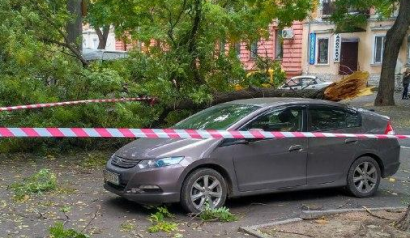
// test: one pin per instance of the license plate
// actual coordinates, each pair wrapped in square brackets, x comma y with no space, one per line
[111,177]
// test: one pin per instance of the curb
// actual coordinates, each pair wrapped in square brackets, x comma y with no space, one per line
[307,215]
[317,214]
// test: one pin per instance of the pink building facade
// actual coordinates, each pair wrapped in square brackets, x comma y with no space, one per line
[288,51]
[276,47]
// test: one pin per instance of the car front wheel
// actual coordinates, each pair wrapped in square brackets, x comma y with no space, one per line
[203,187]
[364,177]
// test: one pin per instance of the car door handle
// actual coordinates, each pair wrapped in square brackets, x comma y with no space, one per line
[295,148]
[351,141]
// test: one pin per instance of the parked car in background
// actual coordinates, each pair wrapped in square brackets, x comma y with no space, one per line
[103,55]
[305,82]
[200,172]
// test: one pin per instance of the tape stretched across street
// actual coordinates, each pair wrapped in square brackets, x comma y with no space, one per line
[175,133]
[57,104]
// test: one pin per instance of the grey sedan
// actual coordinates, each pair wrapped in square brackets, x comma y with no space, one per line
[199,173]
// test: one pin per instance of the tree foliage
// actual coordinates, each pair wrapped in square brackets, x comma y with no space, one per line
[179,58]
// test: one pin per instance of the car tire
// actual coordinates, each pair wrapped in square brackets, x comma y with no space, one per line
[195,195]
[363,178]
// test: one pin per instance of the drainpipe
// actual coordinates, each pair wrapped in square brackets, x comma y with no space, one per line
[308,46]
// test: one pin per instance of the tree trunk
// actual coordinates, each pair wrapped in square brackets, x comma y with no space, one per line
[394,40]
[74,26]
[404,222]
[102,36]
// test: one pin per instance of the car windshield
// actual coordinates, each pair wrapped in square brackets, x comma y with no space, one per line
[219,117]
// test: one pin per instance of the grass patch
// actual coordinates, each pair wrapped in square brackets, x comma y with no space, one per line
[127,226]
[58,231]
[221,214]
[94,160]
[159,223]
[42,181]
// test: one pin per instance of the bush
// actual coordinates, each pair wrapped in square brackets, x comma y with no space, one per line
[42,181]
[158,221]
[221,214]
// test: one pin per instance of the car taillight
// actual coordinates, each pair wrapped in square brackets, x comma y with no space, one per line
[389,129]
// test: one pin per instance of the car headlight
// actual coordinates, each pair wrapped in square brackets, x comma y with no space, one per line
[159,163]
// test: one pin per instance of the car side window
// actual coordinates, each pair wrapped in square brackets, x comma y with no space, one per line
[307,82]
[286,119]
[328,118]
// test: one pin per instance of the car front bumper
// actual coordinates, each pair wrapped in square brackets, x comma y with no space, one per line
[144,198]
[167,179]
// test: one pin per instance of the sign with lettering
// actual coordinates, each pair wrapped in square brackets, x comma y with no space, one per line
[337,48]
[312,48]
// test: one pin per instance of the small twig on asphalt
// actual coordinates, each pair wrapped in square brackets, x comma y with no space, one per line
[377,216]
[393,211]
[294,233]
[93,218]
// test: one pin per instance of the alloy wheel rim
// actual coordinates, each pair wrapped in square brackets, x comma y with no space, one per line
[365,177]
[206,190]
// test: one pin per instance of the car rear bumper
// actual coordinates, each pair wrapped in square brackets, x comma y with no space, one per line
[391,169]
[143,197]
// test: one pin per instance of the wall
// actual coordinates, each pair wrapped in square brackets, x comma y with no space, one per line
[292,50]
[90,39]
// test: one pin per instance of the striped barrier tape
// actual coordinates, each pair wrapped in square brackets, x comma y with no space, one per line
[57,104]
[175,133]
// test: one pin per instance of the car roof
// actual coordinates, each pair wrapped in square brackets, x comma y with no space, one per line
[277,101]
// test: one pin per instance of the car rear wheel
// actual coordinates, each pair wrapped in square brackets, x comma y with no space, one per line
[364,177]
[203,187]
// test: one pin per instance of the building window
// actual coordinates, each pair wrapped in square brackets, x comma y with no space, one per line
[222,47]
[327,7]
[254,50]
[238,50]
[378,49]
[323,51]
[278,45]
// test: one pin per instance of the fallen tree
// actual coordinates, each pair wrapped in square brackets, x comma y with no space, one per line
[349,87]
[352,86]
[251,92]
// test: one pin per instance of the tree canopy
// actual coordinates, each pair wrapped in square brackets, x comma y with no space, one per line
[180,57]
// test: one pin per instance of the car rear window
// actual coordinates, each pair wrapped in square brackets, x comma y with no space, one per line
[329,118]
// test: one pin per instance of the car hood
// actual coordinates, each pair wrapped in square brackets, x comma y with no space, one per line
[158,148]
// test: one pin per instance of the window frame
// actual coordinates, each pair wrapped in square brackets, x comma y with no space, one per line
[276,108]
[278,45]
[374,49]
[318,50]
[253,52]
[238,46]
[328,107]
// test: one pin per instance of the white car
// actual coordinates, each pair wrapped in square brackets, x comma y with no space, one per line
[305,82]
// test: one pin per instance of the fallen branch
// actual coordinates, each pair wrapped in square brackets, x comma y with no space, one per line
[404,222]
[93,218]
[377,216]
[293,233]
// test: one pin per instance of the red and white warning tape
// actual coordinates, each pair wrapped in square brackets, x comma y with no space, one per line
[175,134]
[57,104]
